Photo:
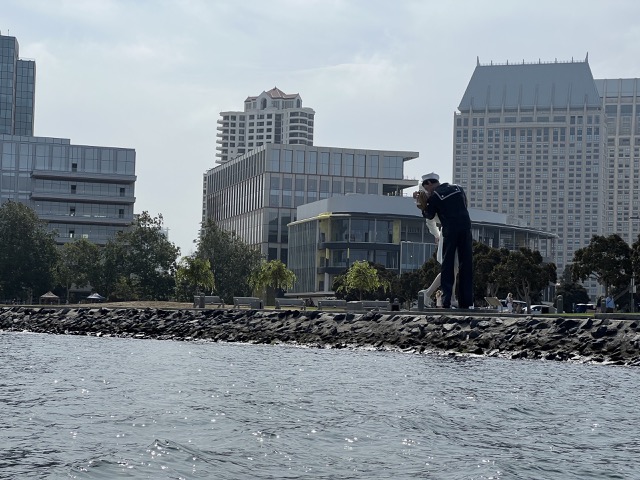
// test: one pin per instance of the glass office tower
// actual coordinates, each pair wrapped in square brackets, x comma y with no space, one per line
[256,194]
[17,89]
[80,191]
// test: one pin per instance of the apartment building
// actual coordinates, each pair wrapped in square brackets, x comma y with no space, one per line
[271,117]
[621,107]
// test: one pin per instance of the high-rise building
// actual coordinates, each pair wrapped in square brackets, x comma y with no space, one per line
[271,117]
[621,106]
[530,141]
[80,191]
[17,89]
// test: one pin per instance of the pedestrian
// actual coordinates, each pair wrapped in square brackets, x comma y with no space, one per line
[422,199]
[510,302]
[449,203]
[610,304]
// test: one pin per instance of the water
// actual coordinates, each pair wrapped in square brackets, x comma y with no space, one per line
[103,408]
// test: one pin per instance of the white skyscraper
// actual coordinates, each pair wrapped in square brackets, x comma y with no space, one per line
[621,106]
[271,117]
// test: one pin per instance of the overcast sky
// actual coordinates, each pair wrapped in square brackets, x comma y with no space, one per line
[154,75]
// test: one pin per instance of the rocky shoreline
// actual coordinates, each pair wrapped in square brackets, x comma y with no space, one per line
[602,339]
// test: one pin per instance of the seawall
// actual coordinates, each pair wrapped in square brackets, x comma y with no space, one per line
[599,340]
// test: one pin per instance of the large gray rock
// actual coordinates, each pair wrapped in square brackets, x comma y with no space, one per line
[607,340]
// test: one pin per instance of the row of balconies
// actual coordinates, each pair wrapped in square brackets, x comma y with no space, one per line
[226,121]
[301,114]
[299,135]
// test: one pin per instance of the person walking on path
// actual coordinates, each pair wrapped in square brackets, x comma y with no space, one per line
[449,203]
[610,304]
[510,302]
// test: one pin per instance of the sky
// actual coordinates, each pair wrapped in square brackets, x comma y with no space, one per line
[154,75]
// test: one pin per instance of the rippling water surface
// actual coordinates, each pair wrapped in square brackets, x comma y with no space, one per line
[103,408]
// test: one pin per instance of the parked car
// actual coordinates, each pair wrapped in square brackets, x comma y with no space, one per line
[543,309]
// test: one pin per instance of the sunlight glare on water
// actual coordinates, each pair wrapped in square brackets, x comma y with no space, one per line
[102,408]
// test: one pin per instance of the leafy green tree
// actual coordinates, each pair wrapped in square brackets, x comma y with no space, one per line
[429,271]
[79,264]
[606,259]
[409,284]
[111,269]
[485,260]
[405,287]
[526,273]
[231,259]
[363,278]
[274,274]
[193,276]
[140,263]
[389,284]
[28,253]
[572,292]
[339,288]
[635,262]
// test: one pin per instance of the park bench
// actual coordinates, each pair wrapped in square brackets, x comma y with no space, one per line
[249,302]
[363,305]
[290,302]
[494,303]
[208,300]
[340,304]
